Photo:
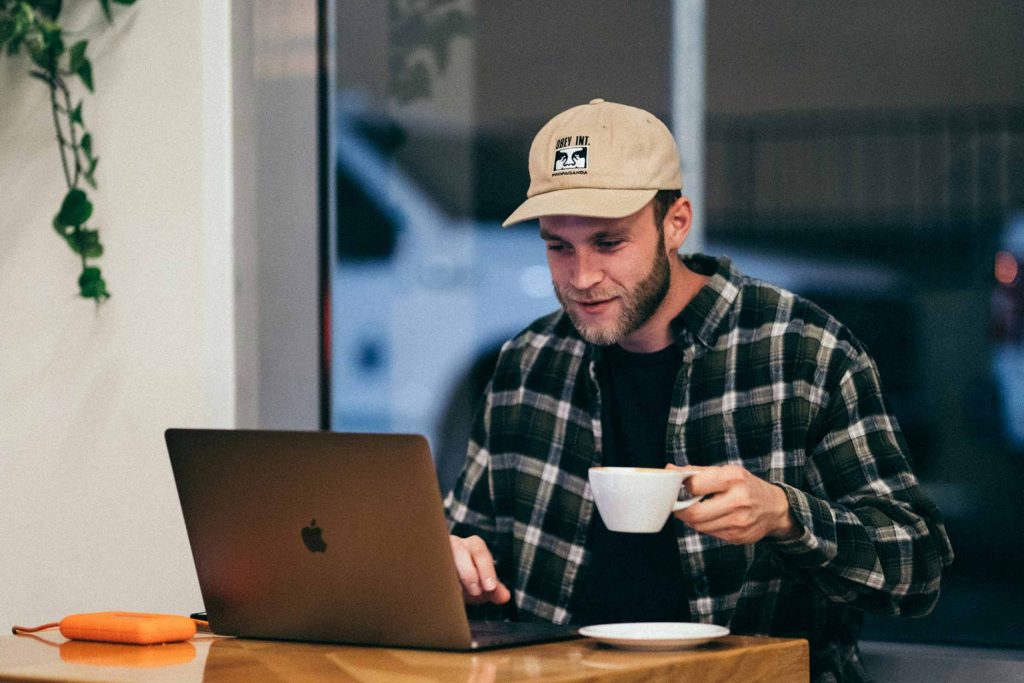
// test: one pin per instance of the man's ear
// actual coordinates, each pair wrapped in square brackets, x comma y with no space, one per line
[677,223]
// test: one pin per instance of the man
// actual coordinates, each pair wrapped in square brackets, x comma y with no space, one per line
[811,510]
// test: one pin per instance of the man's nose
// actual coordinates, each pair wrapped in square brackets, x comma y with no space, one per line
[586,272]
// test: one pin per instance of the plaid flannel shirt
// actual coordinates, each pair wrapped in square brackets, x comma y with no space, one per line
[769,382]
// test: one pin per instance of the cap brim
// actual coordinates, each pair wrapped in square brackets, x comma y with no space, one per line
[582,201]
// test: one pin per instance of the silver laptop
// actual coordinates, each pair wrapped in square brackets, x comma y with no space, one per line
[328,537]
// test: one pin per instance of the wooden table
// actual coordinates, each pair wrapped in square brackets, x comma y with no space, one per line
[212,658]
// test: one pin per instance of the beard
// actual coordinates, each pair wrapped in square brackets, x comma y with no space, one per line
[638,304]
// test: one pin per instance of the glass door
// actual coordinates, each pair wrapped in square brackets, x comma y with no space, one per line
[436,105]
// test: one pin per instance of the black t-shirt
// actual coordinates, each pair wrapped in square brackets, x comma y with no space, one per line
[634,577]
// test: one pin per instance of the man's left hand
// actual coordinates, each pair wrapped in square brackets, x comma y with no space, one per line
[739,508]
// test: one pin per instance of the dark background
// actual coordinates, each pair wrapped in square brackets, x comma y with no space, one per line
[871,153]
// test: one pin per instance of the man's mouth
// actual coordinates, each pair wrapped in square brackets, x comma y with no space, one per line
[594,306]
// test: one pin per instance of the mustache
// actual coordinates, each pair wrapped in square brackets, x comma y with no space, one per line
[588,296]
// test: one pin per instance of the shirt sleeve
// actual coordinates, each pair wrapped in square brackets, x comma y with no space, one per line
[870,538]
[471,510]
[470,504]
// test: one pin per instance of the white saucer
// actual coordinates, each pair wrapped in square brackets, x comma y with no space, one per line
[654,635]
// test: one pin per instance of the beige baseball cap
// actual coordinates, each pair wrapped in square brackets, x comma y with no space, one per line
[601,159]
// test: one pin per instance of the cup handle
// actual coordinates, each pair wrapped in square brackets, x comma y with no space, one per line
[683,504]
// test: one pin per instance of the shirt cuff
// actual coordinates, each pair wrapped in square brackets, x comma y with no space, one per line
[816,546]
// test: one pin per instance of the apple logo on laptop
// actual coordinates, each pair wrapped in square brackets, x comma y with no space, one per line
[312,536]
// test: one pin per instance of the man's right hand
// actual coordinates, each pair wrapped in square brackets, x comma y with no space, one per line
[475,566]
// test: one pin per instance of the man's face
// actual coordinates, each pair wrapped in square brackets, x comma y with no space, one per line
[610,274]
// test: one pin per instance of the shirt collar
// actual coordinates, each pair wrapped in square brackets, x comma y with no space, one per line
[707,315]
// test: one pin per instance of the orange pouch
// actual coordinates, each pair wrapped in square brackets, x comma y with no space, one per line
[127,627]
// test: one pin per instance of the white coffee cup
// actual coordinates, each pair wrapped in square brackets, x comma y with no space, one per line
[638,500]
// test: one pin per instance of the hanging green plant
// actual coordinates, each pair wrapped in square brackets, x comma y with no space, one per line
[34,25]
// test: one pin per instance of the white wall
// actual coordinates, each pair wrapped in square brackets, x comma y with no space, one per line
[89,519]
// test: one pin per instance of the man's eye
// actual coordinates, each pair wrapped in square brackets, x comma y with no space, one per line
[554,246]
[608,244]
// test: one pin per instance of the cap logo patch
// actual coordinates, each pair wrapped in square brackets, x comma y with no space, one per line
[571,155]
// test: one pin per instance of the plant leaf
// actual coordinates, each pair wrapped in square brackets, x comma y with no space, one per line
[53,40]
[62,230]
[7,29]
[49,8]
[84,72]
[76,113]
[78,55]
[46,47]
[22,22]
[86,242]
[105,4]
[91,284]
[41,58]
[74,210]
[125,2]
[25,16]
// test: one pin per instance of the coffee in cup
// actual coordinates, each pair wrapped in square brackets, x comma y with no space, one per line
[638,500]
